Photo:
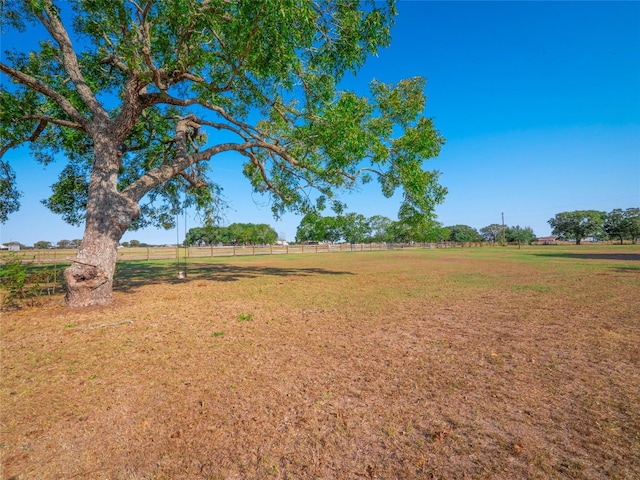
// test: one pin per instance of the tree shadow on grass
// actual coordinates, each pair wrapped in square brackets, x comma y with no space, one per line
[635,269]
[134,274]
[593,256]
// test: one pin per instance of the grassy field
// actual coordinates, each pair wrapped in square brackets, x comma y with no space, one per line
[447,364]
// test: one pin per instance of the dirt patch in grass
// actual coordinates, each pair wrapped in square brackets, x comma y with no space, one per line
[468,363]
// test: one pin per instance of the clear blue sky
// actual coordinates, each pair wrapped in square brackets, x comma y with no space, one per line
[539,102]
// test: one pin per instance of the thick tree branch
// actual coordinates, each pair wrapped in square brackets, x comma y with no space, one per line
[159,98]
[115,61]
[44,120]
[182,134]
[163,173]
[54,26]
[47,91]
[133,105]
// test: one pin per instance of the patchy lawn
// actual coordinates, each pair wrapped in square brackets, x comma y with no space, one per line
[468,363]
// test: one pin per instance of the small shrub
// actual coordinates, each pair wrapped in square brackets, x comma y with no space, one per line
[24,283]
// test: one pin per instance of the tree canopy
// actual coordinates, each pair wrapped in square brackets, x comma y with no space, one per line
[464,234]
[137,97]
[623,224]
[577,224]
[492,233]
[173,78]
[235,234]
[520,234]
[356,228]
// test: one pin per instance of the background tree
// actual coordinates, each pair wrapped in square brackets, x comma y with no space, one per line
[65,244]
[492,233]
[196,237]
[436,233]
[614,225]
[355,228]
[633,223]
[129,93]
[316,228]
[414,226]
[381,229]
[236,233]
[9,194]
[207,235]
[577,225]
[264,234]
[333,228]
[520,235]
[464,234]
[42,245]
[307,230]
[622,224]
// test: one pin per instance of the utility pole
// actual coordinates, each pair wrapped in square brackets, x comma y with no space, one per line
[503,239]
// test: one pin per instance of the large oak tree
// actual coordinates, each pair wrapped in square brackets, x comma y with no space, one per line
[623,224]
[138,97]
[577,224]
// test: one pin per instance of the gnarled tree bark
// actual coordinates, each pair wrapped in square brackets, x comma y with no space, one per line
[89,280]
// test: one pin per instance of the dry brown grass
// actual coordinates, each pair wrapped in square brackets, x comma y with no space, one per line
[447,364]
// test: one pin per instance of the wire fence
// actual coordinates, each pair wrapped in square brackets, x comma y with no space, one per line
[62,256]
[56,256]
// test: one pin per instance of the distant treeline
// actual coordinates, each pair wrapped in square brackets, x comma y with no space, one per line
[234,234]
[617,225]
[356,228]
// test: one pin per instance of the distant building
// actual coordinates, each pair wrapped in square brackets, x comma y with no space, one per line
[547,240]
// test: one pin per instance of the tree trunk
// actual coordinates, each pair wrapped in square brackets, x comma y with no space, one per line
[89,280]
